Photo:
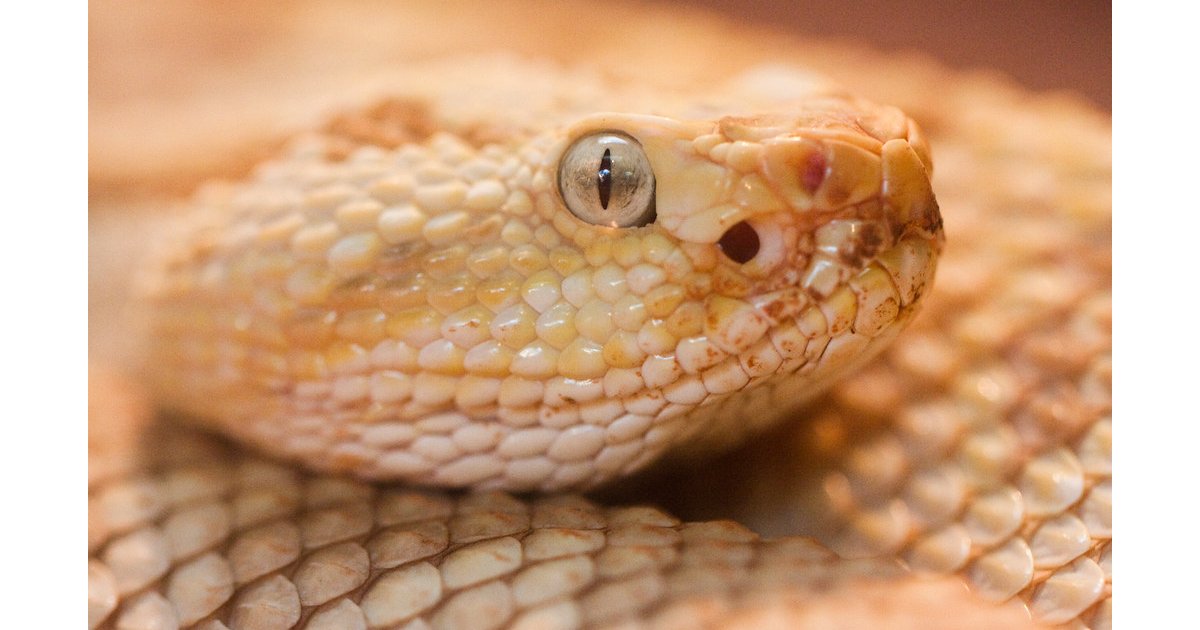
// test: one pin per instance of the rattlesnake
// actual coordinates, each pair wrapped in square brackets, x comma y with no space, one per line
[979,444]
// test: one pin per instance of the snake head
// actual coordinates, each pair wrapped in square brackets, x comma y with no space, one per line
[777,252]
[537,297]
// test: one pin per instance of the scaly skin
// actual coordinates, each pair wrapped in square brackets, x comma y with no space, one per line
[429,310]
[980,446]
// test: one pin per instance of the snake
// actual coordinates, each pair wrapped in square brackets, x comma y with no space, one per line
[390,358]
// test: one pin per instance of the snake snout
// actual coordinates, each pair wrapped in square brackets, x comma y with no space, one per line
[906,193]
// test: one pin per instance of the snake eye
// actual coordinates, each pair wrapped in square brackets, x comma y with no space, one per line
[605,179]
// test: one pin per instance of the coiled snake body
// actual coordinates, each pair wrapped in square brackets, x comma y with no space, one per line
[544,288]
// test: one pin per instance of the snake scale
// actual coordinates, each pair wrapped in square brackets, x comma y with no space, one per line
[420,291]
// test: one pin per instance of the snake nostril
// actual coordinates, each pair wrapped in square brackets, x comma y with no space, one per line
[813,171]
[740,242]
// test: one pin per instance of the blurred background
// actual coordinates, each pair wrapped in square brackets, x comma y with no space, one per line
[1057,45]
[178,89]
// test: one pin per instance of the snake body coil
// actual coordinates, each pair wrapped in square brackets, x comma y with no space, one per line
[511,276]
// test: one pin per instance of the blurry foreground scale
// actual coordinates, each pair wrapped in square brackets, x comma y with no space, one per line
[436,307]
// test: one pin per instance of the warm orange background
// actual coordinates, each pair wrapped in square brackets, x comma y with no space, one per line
[182,90]
[1044,44]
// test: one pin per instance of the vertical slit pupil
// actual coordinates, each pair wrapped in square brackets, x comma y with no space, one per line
[604,178]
